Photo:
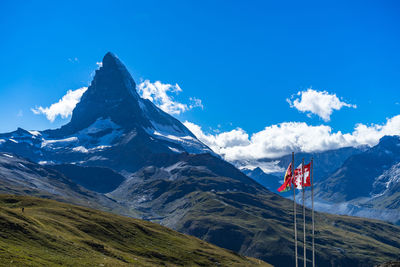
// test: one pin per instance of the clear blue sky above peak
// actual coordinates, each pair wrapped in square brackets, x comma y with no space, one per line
[243,59]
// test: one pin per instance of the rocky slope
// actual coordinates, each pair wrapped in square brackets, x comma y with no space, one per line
[22,177]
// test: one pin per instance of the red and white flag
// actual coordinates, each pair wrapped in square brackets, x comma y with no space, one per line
[298,176]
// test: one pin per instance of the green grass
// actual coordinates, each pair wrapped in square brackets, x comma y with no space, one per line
[51,233]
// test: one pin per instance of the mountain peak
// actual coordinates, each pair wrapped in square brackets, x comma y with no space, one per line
[388,143]
[109,55]
[112,94]
[389,139]
[110,60]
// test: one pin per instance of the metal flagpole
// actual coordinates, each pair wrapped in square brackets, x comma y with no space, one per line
[304,216]
[312,216]
[294,211]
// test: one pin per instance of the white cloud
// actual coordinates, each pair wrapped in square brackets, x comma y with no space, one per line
[63,107]
[320,103]
[196,103]
[99,64]
[371,134]
[219,142]
[73,59]
[159,94]
[281,139]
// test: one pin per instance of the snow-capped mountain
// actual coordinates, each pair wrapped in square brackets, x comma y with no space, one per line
[111,126]
[367,184]
[356,177]
[388,182]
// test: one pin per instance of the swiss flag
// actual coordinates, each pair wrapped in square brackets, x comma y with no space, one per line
[298,176]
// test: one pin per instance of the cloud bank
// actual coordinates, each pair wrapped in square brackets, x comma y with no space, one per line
[63,107]
[160,94]
[283,138]
[320,103]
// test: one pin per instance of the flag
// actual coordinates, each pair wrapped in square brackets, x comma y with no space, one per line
[307,168]
[298,176]
[287,181]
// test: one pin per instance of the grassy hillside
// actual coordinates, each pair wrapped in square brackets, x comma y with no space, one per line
[50,233]
[261,227]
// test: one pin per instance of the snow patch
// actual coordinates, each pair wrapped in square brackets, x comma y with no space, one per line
[100,125]
[21,165]
[386,181]
[98,136]
[81,149]
[171,134]
[168,129]
[99,148]
[95,158]
[171,137]
[60,142]
[177,165]
[175,150]
[179,135]
[35,133]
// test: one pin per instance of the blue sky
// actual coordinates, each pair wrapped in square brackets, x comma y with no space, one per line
[243,59]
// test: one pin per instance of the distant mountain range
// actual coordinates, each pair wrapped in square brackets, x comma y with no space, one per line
[269,181]
[351,181]
[121,153]
[367,184]
[359,175]
[325,163]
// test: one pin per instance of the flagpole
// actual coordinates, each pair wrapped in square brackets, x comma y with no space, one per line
[312,216]
[304,217]
[294,211]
